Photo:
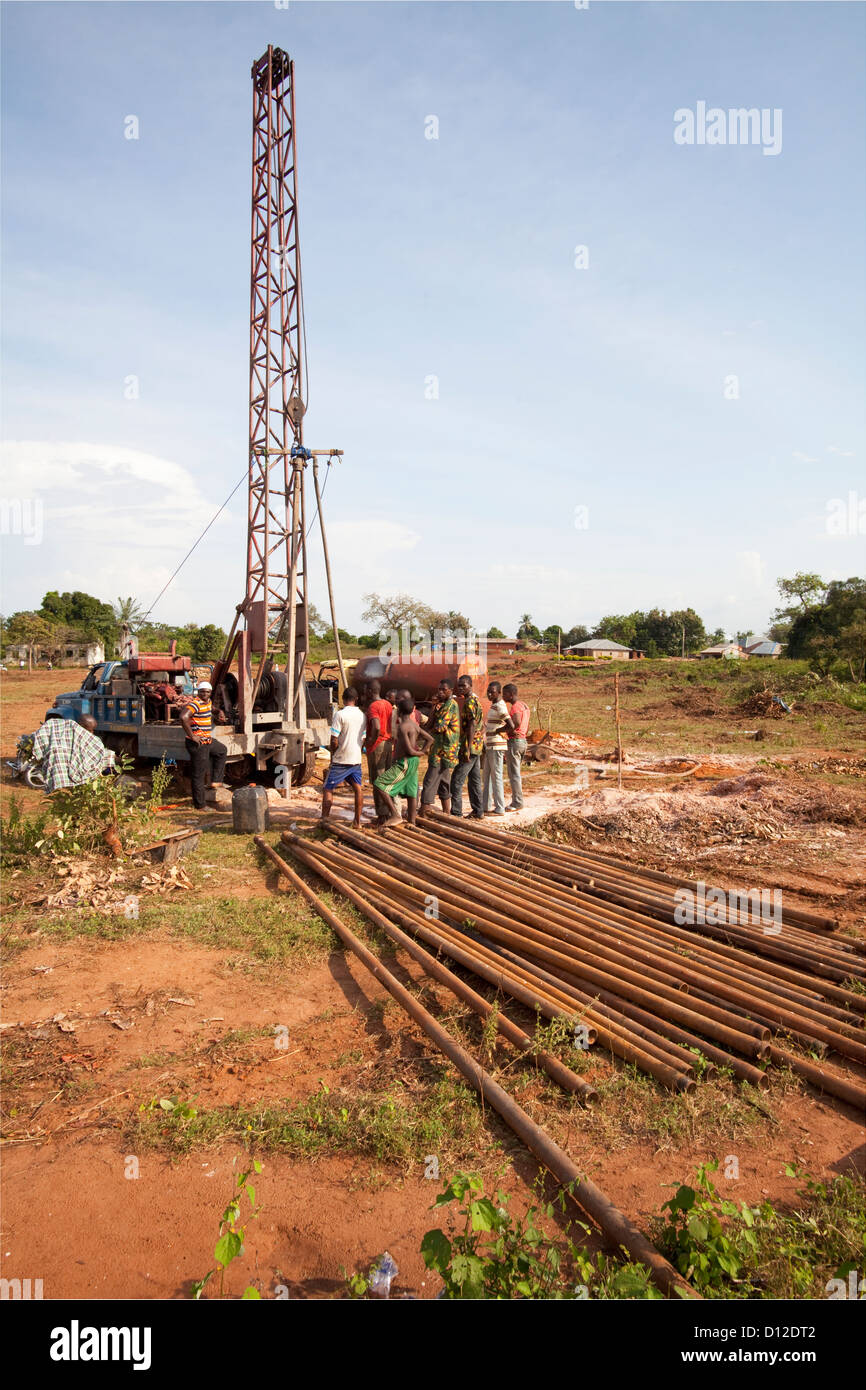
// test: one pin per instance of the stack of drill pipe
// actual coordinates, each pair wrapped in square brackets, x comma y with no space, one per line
[647,987]
[808,921]
[614,1224]
[671,1065]
[840,958]
[583,935]
[654,894]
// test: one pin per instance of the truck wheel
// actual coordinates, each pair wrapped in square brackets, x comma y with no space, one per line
[302,773]
[240,771]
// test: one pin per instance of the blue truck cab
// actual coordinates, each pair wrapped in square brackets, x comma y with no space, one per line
[134,704]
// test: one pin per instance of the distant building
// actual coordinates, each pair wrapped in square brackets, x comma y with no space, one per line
[765,646]
[601,649]
[70,654]
[729,650]
[501,646]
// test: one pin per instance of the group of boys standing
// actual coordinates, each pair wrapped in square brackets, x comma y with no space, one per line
[464,746]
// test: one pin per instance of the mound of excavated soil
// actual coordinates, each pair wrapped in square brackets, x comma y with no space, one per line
[751,807]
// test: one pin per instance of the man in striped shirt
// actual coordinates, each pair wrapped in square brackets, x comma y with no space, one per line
[206,753]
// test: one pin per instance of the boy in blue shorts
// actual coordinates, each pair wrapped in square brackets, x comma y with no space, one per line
[347,741]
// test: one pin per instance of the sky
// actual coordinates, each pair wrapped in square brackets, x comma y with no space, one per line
[667,418]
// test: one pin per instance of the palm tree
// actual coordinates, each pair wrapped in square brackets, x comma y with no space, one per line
[128,612]
[129,615]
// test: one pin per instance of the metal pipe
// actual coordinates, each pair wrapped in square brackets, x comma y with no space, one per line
[645,944]
[716,950]
[600,956]
[750,1038]
[620,1039]
[617,891]
[612,1222]
[573,854]
[556,1069]
[340,665]
[743,1070]
[825,1081]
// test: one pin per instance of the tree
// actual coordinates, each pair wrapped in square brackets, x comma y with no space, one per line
[391,612]
[30,630]
[552,635]
[695,632]
[619,627]
[316,623]
[808,589]
[714,638]
[575,634]
[656,632]
[86,615]
[803,594]
[495,632]
[129,616]
[204,643]
[527,631]
[128,612]
[832,632]
[447,623]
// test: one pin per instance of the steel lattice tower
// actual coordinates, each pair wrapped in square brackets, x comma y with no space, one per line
[276,600]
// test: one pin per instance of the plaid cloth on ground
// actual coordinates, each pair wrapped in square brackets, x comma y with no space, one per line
[69,754]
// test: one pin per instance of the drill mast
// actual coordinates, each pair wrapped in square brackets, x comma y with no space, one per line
[275,607]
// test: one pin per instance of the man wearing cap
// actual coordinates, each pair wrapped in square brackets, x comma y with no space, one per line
[206,753]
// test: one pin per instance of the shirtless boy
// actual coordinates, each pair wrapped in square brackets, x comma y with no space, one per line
[401,778]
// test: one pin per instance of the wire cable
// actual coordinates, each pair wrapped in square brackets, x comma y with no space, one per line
[217,513]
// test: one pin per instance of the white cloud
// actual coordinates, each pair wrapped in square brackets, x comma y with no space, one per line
[803,458]
[843,453]
[117,520]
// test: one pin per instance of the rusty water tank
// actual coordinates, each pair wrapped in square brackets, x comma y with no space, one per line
[421,679]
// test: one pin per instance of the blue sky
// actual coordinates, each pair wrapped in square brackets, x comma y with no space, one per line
[559,388]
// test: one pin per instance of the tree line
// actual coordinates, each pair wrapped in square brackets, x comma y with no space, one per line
[822,621]
[75,618]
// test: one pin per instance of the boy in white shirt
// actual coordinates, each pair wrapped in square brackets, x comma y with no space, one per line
[497,726]
[347,741]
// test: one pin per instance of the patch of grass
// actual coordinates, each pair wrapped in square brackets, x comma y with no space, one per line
[633,1108]
[276,930]
[683,706]
[823,1237]
[731,1250]
[155,1059]
[392,1126]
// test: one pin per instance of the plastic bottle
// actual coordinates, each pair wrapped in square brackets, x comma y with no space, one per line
[384,1270]
[250,815]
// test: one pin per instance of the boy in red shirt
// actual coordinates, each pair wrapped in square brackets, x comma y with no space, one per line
[378,744]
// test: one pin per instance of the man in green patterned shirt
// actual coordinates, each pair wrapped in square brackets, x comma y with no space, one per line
[444,725]
[471,749]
